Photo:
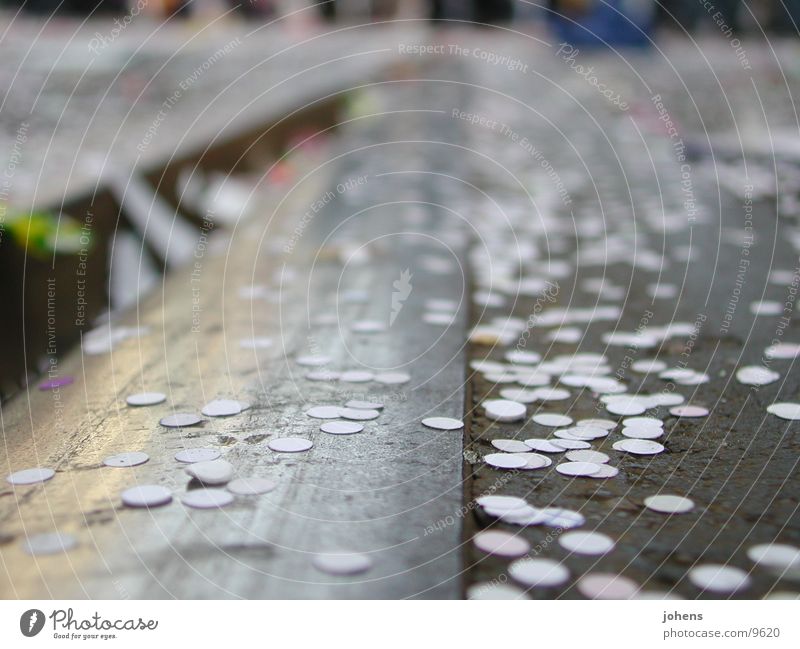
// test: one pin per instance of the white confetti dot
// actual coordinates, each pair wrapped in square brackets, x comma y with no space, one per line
[363,405]
[522,357]
[518,394]
[605,471]
[648,366]
[581,433]
[787,410]
[718,578]
[643,422]
[342,564]
[542,573]
[667,399]
[180,419]
[645,432]
[689,411]
[358,415]
[191,455]
[756,375]
[341,427]
[146,399]
[207,498]
[778,556]
[132,458]
[504,410]
[250,486]
[443,423]
[368,326]
[255,343]
[213,472]
[783,351]
[322,375]
[30,476]
[441,319]
[501,544]
[49,543]
[766,307]
[505,461]
[510,445]
[313,360]
[534,461]
[571,444]
[146,496]
[667,504]
[595,457]
[544,445]
[607,586]
[493,591]
[356,376]
[324,412]
[552,420]
[606,424]
[588,543]
[504,503]
[222,408]
[577,469]
[392,378]
[290,444]
[638,446]
[629,406]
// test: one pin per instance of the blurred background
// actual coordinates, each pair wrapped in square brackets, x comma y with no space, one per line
[122,121]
